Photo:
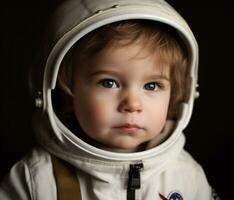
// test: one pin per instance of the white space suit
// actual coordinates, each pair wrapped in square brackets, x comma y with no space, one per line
[164,171]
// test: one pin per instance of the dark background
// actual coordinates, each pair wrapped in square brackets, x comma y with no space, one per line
[209,135]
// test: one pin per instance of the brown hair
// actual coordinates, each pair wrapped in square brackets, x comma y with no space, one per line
[157,37]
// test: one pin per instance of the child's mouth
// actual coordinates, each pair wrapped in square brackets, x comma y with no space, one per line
[129,128]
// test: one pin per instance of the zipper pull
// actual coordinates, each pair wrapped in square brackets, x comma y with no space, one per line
[134,180]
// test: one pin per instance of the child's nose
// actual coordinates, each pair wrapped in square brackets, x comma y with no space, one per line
[131,103]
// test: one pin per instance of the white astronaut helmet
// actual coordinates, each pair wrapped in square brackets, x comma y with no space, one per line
[76,18]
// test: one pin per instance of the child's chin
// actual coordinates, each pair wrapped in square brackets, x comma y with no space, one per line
[126,148]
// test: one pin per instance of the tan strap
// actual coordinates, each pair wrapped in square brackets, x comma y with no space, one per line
[68,186]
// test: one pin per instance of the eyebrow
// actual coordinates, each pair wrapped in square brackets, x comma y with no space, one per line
[115,73]
[160,76]
[100,72]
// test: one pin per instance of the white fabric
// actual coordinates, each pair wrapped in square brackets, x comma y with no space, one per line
[103,174]
[32,178]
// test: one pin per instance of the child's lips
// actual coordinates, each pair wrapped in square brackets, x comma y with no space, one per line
[129,128]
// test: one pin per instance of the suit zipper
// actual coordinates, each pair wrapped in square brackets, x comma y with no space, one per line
[134,180]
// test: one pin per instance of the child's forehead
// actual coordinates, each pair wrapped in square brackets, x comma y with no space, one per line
[124,51]
[122,54]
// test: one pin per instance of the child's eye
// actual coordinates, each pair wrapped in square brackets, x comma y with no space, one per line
[152,86]
[109,83]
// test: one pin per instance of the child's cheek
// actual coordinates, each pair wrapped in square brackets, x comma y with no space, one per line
[100,109]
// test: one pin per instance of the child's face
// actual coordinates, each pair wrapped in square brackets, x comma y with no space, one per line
[121,97]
